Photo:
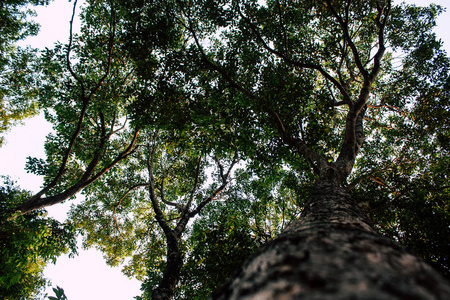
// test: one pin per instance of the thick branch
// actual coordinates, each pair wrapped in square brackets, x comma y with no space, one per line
[156,208]
[65,159]
[37,202]
[385,10]
[354,136]
[318,161]
[69,48]
[87,178]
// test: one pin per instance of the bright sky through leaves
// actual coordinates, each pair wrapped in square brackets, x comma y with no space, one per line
[87,276]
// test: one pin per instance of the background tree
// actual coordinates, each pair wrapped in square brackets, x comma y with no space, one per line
[86,108]
[27,244]
[85,103]
[165,188]
[229,231]
[17,86]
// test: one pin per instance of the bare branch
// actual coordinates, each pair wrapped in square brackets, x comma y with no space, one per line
[114,131]
[124,154]
[383,11]
[36,202]
[117,223]
[188,215]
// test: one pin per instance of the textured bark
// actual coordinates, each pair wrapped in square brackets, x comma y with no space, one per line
[166,287]
[333,252]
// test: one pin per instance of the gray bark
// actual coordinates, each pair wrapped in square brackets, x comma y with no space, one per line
[333,252]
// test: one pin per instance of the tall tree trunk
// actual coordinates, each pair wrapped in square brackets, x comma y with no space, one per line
[171,275]
[333,252]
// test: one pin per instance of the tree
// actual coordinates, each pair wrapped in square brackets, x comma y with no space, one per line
[311,73]
[139,222]
[312,90]
[86,109]
[229,231]
[187,211]
[17,85]
[27,244]
[335,53]
[90,137]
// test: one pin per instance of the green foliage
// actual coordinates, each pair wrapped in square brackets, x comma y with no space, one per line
[59,293]
[86,102]
[13,16]
[17,81]
[204,78]
[27,244]
[213,77]
[220,242]
[403,168]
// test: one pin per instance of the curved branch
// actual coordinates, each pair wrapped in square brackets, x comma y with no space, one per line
[69,48]
[121,199]
[344,26]
[124,154]
[297,63]
[159,215]
[317,160]
[216,192]
[179,207]
[36,203]
[126,194]
[112,34]
[188,215]
[65,159]
[381,24]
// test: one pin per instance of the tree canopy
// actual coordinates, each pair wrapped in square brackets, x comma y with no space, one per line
[202,126]
[17,81]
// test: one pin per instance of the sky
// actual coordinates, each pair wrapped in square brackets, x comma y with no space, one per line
[87,276]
